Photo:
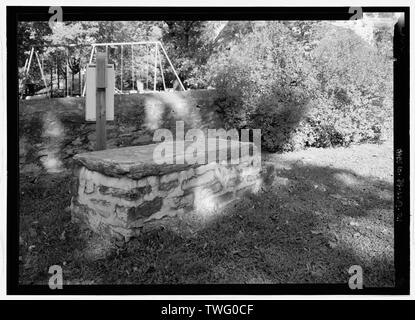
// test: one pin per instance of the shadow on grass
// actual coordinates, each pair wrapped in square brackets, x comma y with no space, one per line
[309,224]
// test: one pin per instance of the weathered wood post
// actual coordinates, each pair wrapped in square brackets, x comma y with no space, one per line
[101,119]
[66,72]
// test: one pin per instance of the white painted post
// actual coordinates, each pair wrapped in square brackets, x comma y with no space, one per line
[41,70]
[90,61]
[155,68]
[25,65]
[30,60]
[162,72]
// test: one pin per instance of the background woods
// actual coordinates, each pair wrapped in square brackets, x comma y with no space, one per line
[304,83]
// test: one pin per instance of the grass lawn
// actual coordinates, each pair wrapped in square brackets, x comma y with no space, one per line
[323,211]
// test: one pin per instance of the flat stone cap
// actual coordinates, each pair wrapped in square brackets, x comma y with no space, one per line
[138,161]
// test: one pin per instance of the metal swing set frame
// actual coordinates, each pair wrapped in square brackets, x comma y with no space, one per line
[157,61]
[52,70]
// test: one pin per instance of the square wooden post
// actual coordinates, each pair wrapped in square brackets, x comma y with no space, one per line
[101,117]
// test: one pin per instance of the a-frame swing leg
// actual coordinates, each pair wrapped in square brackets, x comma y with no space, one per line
[171,65]
[155,69]
[41,70]
[90,61]
[26,72]
[162,72]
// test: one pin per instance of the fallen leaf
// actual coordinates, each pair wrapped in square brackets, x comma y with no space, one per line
[32,232]
[332,244]
[316,232]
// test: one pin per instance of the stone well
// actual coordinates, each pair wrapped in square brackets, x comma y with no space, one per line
[117,192]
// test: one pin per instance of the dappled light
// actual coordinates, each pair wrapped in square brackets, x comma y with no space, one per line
[160,106]
[53,130]
[154,110]
[153,197]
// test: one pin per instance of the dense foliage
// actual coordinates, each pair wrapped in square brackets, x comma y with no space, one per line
[335,90]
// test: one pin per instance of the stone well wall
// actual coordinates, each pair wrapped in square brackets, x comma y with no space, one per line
[117,192]
[52,131]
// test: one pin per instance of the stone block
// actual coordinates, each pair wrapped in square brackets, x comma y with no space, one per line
[89,187]
[198,181]
[202,169]
[169,177]
[225,198]
[216,187]
[180,202]
[167,186]
[144,210]
[131,195]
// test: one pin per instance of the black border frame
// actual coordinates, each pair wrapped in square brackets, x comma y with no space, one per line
[401,142]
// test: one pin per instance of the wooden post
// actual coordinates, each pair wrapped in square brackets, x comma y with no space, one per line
[101,117]
[132,65]
[66,73]
[122,67]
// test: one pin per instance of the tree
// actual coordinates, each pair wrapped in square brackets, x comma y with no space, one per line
[30,34]
[189,44]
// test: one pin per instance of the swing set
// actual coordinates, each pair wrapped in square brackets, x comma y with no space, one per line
[139,67]
[56,70]
[25,87]
[142,56]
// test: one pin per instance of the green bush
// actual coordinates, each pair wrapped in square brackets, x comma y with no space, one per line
[356,81]
[335,91]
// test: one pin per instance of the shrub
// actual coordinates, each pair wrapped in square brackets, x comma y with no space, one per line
[356,81]
[262,83]
[336,93]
